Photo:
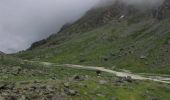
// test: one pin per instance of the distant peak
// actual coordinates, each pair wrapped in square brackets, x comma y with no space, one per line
[1,53]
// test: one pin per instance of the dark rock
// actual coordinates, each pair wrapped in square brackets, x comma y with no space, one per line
[70,92]
[33,87]
[98,72]
[121,49]
[78,78]
[82,60]
[10,86]
[128,79]
[2,86]
[106,58]
[153,98]
[123,79]
[16,70]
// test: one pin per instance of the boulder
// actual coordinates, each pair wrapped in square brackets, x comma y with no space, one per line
[2,86]
[142,57]
[102,82]
[98,72]
[66,84]
[78,78]
[70,92]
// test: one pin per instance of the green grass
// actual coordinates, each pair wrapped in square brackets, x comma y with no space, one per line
[121,44]
[90,88]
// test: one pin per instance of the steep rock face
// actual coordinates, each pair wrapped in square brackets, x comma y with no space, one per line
[101,16]
[163,11]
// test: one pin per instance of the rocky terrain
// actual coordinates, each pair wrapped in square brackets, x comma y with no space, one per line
[24,80]
[117,38]
[118,35]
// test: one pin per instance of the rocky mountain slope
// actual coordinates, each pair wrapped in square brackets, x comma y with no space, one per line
[1,53]
[119,35]
[26,80]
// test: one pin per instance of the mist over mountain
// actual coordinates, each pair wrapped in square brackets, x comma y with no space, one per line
[85,49]
[23,22]
[137,3]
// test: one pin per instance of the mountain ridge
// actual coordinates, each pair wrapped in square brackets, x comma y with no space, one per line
[110,13]
[120,35]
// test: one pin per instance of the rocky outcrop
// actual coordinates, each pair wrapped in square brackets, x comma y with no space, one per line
[99,16]
[163,11]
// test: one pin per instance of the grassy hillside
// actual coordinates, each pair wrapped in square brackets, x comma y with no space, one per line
[116,37]
[140,47]
[23,80]
[119,36]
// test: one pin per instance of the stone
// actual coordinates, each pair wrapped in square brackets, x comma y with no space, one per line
[102,82]
[16,70]
[100,95]
[98,72]
[11,98]
[66,84]
[142,57]
[154,98]
[78,78]
[112,54]
[70,92]
[123,79]
[2,86]
[10,86]
[57,97]
[128,79]
[82,60]
[105,58]
[114,98]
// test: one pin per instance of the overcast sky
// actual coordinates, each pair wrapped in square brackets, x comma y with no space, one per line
[23,22]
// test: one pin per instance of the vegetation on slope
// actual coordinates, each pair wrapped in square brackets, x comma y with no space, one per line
[36,81]
[118,36]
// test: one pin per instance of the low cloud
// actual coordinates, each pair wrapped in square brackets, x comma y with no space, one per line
[23,22]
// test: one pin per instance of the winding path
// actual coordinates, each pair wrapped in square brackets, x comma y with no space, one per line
[122,74]
[117,73]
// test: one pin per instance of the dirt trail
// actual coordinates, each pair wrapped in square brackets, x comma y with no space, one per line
[122,74]
[117,73]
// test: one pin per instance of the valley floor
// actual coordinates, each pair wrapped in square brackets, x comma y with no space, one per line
[31,80]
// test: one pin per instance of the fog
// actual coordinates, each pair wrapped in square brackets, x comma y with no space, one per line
[23,22]
[137,3]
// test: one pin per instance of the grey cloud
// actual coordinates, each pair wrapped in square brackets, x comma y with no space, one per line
[23,22]
[137,3]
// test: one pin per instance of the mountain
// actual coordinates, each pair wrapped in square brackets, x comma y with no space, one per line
[119,35]
[130,44]
[1,53]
